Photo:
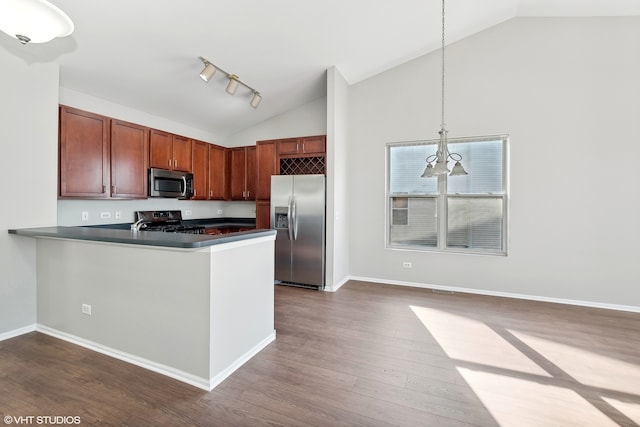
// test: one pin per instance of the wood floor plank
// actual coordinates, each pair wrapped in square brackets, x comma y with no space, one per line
[367,355]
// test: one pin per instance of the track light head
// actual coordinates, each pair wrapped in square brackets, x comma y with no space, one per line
[232,86]
[255,100]
[208,71]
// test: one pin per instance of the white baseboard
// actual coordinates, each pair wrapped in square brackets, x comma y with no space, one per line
[592,304]
[17,332]
[337,286]
[217,379]
[202,383]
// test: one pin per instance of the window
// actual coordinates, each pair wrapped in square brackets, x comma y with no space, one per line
[450,213]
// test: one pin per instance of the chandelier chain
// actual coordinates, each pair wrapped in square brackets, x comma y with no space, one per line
[442,122]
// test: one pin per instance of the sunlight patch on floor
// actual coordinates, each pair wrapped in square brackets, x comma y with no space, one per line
[517,402]
[467,339]
[585,366]
[631,410]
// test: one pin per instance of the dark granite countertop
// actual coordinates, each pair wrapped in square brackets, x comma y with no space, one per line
[148,238]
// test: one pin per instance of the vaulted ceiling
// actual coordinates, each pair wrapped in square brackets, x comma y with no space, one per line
[144,53]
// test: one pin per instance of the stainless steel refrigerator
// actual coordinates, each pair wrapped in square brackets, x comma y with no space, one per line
[298,216]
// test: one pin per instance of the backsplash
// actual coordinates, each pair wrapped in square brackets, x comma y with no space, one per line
[70,212]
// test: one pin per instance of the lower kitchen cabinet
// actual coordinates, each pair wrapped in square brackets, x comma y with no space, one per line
[263,214]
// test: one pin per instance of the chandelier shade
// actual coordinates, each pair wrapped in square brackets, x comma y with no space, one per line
[33,21]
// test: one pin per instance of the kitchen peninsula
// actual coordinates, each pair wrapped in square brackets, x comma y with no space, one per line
[191,306]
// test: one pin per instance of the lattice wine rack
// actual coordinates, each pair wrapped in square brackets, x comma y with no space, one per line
[302,165]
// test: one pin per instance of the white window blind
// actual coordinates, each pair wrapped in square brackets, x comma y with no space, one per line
[460,213]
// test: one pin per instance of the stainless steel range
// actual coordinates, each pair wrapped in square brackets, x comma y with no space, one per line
[166,221]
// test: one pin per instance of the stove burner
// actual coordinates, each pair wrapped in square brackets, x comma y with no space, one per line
[166,221]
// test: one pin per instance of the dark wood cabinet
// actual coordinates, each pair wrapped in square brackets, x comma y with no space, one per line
[169,151]
[129,160]
[83,154]
[302,146]
[243,173]
[200,162]
[263,214]
[101,158]
[218,173]
[266,166]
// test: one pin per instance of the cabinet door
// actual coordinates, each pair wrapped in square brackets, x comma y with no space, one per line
[160,152]
[218,171]
[288,146]
[200,170]
[84,154]
[263,214]
[238,173]
[182,154]
[129,160]
[250,173]
[265,167]
[313,144]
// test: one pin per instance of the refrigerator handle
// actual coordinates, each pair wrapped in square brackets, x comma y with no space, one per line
[289,218]
[295,218]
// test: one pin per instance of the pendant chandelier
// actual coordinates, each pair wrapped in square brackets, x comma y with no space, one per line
[442,156]
[33,21]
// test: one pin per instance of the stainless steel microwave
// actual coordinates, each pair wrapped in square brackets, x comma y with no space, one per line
[173,184]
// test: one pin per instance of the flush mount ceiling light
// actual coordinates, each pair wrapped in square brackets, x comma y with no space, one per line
[442,156]
[35,21]
[232,85]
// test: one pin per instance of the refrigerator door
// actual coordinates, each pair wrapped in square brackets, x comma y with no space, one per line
[281,204]
[308,221]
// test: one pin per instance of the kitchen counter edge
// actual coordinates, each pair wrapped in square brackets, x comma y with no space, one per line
[144,238]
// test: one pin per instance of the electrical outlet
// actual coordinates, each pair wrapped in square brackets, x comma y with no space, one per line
[407,264]
[118,215]
[85,216]
[105,215]
[219,211]
[86,309]
[187,213]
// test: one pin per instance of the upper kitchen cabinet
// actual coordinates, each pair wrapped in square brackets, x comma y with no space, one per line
[243,173]
[266,166]
[101,158]
[129,160]
[83,154]
[218,173]
[168,151]
[302,146]
[200,170]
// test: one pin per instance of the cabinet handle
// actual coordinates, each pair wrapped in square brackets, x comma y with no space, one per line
[210,193]
[175,163]
[297,146]
[104,188]
[113,189]
[169,163]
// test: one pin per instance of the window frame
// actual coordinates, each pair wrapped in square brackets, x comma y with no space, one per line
[442,200]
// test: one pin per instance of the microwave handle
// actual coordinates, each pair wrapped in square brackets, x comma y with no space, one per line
[184,188]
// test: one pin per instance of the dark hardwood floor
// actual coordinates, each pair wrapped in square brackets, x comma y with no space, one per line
[367,355]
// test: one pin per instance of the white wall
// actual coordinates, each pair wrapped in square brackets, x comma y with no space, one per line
[337,180]
[28,138]
[309,119]
[568,93]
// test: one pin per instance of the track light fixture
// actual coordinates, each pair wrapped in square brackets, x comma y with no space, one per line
[232,85]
